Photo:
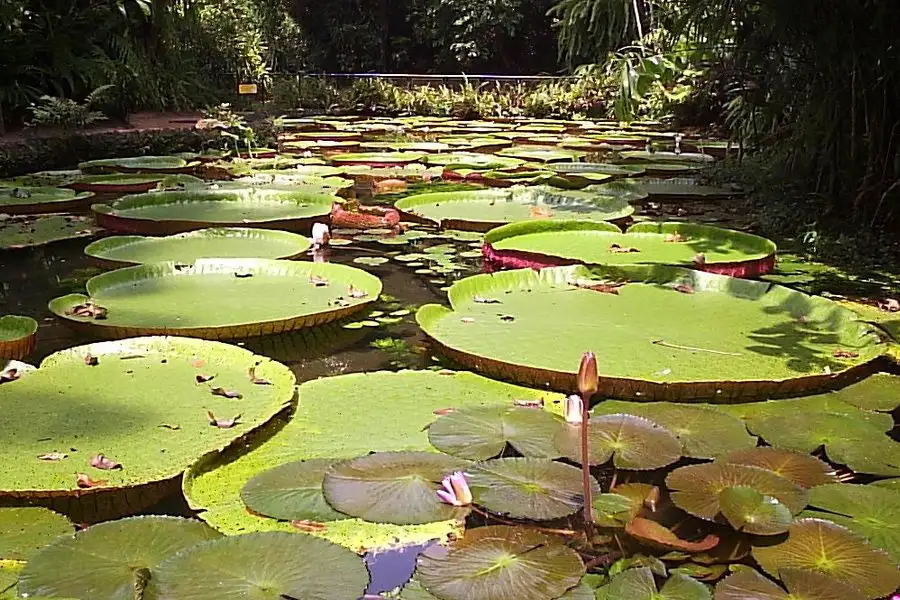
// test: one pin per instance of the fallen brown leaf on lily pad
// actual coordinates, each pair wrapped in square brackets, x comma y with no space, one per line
[84,481]
[309,526]
[539,403]
[222,423]
[104,462]
[356,293]
[318,281]
[540,212]
[88,309]
[53,456]
[257,380]
[675,238]
[198,363]
[201,378]
[605,287]
[91,360]
[684,288]
[617,249]
[220,391]
[443,411]
[841,353]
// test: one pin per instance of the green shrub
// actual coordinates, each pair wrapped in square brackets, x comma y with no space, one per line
[67,113]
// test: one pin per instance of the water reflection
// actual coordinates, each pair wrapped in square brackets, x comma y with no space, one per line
[390,569]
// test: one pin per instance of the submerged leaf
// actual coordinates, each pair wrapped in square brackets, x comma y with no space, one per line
[657,534]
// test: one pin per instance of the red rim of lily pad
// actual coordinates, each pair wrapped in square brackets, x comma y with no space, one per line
[521,259]
[19,336]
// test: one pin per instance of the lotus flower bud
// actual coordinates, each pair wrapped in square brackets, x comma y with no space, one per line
[320,234]
[574,408]
[456,490]
[587,375]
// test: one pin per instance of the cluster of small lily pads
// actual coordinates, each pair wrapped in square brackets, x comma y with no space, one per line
[533,494]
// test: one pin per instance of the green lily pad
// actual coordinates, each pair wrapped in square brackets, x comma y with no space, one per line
[663,157]
[508,178]
[60,178]
[870,511]
[174,212]
[135,164]
[614,509]
[472,160]
[880,392]
[110,560]
[749,511]
[118,183]
[501,563]
[822,546]
[482,432]
[336,419]
[704,432]
[370,261]
[270,565]
[24,531]
[291,492]
[393,487]
[802,469]
[802,584]
[377,159]
[697,489]
[220,298]
[760,344]
[639,584]
[136,402]
[891,484]
[631,442]
[528,488]
[482,210]
[588,170]
[225,242]
[18,336]
[29,231]
[532,154]
[31,200]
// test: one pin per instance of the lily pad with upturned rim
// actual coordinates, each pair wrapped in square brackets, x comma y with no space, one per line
[224,242]
[118,183]
[18,336]
[263,566]
[24,531]
[663,157]
[220,298]
[479,433]
[30,231]
[34,200]
[760,345]
[175,212]
[470,160]
[822,546]
[533,154]
[377,159]
[136,164]
[631,442]
[335,419]
[137,402]
[500,562]
[107,561]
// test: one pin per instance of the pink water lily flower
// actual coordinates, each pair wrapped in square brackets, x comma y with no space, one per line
[320,235]
[574,409]
[456,490]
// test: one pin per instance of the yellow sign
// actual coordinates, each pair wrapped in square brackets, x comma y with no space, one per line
[247,88]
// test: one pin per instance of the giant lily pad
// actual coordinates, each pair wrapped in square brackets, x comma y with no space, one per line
[819,545]
[225,242]
[482,210]
[29,231]
[663,157]
[139,404]
[18,336]
[118,183]
[704,432]
[482,432]
[471,160]
[262,566]
[768,339]
[697,489]
[219,298]
[868,510]
[137,164]
[801,584]
[32,200]
[631,442]
[174,212]
[532,154]
[335,420]
[547,243]
[528,488]
[377,159]
[804,470]
[581,174]
[110,561]
[501,563]
[24,531]
[639,584]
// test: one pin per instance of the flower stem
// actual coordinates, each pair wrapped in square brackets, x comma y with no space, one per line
[586,468]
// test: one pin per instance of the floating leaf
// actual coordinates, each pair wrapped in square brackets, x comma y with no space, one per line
[639,584]
[83,480]
[703,432]
[370,261]
[272,565]
[622,504]
[501,563]
[804,470]
[822,546]
[100,562]
[870,511]
[291,492]
[748,584]
[657,534]
[528,488]
[392,487]
[632,442]
[105,463]
[482,432]
[23,531]
[696,489]
[749,511]
[222,423]
[880,391]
